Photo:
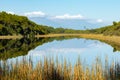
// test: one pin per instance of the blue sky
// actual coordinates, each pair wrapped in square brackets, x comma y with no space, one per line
[101,10]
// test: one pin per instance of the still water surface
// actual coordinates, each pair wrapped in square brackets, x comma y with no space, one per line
[71,50]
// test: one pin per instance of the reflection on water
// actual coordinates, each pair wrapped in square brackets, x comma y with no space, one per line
[13,48]
[71,49]
[62,47]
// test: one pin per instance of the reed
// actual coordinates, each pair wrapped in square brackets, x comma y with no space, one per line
[50,69]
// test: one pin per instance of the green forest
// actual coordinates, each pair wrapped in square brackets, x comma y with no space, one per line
[113,29]
[10,48]
[20,25]
[11,24]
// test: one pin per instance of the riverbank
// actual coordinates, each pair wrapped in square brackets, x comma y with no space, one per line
[11,37]
[57,35]
[115,39]
[112,39]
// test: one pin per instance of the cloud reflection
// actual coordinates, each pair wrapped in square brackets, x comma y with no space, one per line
[56,51]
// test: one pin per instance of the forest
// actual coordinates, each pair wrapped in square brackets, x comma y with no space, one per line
[11,24]
[111,30]
[20,25]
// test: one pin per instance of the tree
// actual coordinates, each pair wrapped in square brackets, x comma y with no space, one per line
[114,23]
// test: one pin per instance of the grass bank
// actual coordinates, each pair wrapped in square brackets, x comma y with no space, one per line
[53,70]
[11,37]
[110,39]
[57,35]
[113,39]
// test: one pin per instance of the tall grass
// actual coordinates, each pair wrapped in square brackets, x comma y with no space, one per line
[50,69]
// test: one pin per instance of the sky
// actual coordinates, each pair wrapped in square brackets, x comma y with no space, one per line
[105,11]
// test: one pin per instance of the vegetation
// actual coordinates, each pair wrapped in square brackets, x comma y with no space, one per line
[53,70]
[20,25]
[114,41]
[108,30]
[10,48]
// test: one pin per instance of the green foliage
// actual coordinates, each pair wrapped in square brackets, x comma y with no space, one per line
[1,26]
[15,48]
[114,23]
[10,48]
[19,25]
[108,30]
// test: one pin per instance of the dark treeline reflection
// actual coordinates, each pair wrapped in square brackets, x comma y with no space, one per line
[10,48]
[116,47]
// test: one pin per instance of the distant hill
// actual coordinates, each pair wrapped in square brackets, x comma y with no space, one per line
[11,24]
[108,30]
[20,25]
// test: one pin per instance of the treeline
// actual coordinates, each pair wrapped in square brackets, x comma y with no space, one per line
[113,29]
[19,25]
[11,24]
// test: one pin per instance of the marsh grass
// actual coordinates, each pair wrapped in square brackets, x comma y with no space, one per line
[50,69]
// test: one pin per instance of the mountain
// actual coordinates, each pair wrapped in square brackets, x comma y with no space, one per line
[78,24]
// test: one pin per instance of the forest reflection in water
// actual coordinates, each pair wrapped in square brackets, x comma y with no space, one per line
[11,48]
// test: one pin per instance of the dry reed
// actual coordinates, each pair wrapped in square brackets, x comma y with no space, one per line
[50,69]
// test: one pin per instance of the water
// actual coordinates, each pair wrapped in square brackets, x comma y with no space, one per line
[69,49]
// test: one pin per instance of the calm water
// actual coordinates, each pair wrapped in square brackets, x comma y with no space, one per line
[69,49]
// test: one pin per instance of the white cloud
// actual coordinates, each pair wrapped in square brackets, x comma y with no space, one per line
[99,20]
[96,45]
[10,12]
[36,53]
[56,50]
[94,21]
[67,50]
[67,16]
[35,14]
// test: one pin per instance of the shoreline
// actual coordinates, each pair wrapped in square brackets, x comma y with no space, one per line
[114,39]
[11,37]
[56,35]
[111,40]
